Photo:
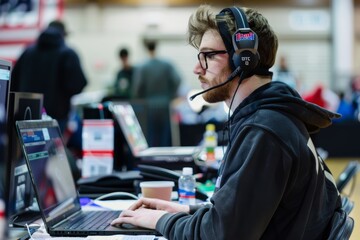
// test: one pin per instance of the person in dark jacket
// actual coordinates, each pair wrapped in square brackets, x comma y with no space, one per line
[272,184]
[123,81]
[50,67]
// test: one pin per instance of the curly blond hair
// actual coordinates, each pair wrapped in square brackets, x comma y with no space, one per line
[204,19]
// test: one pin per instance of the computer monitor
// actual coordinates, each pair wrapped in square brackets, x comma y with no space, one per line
[3,154]
[21,205]
[5,73]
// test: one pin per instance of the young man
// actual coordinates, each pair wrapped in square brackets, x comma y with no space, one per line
[123,82]
[271,184]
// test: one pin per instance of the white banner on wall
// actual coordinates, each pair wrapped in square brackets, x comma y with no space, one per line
[22,20]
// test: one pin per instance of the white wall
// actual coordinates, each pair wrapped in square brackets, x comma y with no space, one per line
[357,41]
[98,32]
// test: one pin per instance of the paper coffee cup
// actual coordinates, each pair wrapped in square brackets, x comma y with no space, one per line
[157,189]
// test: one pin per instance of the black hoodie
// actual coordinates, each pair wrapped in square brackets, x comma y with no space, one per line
[272,184]
[52,68]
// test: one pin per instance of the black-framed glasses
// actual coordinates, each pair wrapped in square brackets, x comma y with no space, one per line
[203,56]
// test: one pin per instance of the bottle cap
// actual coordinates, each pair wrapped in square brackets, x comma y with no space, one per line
[187,171]
[210,127]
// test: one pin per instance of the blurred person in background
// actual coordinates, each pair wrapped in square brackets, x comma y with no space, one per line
[123,81]
[52,68]
[282,73]
[323,97]
[345,108]
[316,96]
[156,81]
[355,87]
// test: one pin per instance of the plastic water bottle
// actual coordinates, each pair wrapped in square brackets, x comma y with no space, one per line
[187,186]
[2,219]
[210,142]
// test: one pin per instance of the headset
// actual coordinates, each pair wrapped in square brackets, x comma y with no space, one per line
[243,44]
[241,47]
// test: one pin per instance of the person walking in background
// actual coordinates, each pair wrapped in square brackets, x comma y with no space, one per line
[345,108]
[355,91]
[282,73]
[52,68]
[156,81]
[272,184]
[123,80]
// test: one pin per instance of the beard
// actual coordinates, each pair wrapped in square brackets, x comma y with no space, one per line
[221,93]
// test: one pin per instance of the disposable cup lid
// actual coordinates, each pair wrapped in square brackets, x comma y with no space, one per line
[157,184]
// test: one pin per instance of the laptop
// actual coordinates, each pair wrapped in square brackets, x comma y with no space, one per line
[54,186]
[125,116]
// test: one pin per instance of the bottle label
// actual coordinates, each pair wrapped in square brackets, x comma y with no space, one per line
[186,197]
[210,153]
[210,140]
[210,149]
[2,219]
[210,156]
[210,144]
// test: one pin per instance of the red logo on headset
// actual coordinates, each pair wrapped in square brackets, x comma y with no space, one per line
[244,36]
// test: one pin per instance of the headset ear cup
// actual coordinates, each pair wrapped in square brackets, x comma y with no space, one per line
[246,60]
[254,60]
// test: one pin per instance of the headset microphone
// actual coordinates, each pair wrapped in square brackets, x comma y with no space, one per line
[231,77]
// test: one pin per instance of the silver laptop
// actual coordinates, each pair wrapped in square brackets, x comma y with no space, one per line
[54,186]
[124,114]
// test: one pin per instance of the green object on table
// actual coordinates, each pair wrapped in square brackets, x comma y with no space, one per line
[208,186]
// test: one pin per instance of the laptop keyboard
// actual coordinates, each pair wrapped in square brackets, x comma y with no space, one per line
[91,220]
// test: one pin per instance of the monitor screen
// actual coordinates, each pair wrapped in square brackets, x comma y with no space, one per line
[130,126]
[21,207]
[50,171]
[5,72]
[3,153]
[5,68]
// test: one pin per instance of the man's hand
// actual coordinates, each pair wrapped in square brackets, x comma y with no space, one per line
[158,204]
[146,218]
[146,212]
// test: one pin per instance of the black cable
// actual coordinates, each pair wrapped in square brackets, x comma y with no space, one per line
[352,186]
[232,100]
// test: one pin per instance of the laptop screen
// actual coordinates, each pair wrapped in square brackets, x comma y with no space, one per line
[21,207]
[49,168]
[5,68]
[130,126]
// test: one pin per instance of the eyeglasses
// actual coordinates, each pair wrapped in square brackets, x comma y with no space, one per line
[203,56]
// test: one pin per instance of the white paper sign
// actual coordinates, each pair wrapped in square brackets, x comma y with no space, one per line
[97,164]
[98,147]
[98,135]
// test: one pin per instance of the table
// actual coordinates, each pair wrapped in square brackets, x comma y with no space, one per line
[41,233]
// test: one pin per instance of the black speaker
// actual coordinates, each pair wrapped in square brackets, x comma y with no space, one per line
[244,41]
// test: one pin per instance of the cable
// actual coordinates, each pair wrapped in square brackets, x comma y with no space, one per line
[31,229]
[117,194]
[232,100]
[28,230]
[113,194]
[352,188]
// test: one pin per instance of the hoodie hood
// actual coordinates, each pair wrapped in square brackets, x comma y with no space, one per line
[277,96]
[50,38]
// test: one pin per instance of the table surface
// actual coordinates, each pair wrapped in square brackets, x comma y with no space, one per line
[41,233]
